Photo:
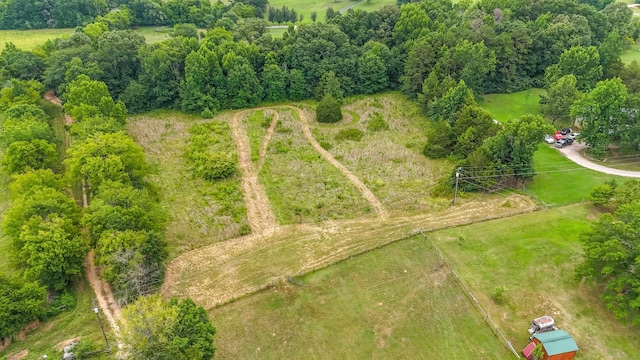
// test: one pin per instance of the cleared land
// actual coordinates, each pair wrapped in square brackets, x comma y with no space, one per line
[199,210]
[300,184]
[395,302]
[534,257]
[225,271]
[29,39]
[389,157]
[306,7]
[505,107]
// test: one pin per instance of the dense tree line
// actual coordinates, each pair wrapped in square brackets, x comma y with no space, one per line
[29,14]
[282,15]
[612,249]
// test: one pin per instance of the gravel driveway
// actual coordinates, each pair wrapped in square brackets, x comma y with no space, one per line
[573,153]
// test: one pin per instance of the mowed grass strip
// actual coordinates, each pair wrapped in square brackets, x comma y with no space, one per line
[301,185]
[505,107]
[560,181]
[201,212]
[393,303]
[534,257]
[257,124]
[388,158]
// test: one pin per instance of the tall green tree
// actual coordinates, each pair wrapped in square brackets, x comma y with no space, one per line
[21,302]
[612,255]
[154,329]
[372,73]
[22,156]
[196,93]
[556,105]
[601,114]
[21,64]
[297,88]
[583,63]
[329,84]
[53,250]
[274,82]
[86,98]
[448,105]
[103,157]
[117,57]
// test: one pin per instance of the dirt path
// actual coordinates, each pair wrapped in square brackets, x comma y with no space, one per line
[222,272]
[265,141]
[573,153]
[51,97]
[259,213]
[101,289]
[368,194]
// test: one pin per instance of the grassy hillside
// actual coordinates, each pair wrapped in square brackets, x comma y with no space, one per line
[534,256]
[306,7]
[392,303]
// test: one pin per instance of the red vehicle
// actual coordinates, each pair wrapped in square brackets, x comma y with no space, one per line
[558,135]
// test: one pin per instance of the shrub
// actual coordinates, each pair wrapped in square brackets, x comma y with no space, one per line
[22,156]
[377,123]
[215,166]
[499,294]
[206,114]
[601,195]
[349,134]
[328,110]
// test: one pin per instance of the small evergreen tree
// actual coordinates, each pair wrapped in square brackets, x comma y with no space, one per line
[328,110]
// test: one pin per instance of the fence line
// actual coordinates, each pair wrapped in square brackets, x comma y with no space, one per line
[487,318]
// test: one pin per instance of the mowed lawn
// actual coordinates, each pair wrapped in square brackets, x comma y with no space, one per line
[534,257]
[505,107]
[630,54]
[560,181]
[393,303]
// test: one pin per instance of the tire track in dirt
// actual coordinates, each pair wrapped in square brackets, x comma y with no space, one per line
[102,290]
[259,213]
[222,272]
[368,194]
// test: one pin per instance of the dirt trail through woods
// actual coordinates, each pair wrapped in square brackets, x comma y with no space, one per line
[259,213]
[368,194]
[101,289]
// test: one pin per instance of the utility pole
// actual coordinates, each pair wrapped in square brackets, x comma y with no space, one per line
[455,192]
[96,310]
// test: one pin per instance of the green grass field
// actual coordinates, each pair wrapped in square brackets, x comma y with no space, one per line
[560,181]
[29,39]
[534,257]
[196,215]
[300,184]
[631,54]
[306,7]
[505,107]
[389,157]
[389,303]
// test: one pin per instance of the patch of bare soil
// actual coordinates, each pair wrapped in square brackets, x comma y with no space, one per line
[222,272]
[259,213]
[62,344]
[19,355]
[368,194]
[104,296]
[30,327]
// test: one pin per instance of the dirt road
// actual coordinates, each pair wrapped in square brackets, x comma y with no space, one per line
[101,289]
[259,213]
[573,153]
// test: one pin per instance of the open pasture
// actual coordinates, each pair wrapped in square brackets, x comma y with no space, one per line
[534,257]
[200,212]
[385,151]
[394,302]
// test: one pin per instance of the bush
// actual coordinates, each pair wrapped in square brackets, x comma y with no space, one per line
[601,195]
[22,156]
[499,295]
[377,123]
[328,110]
[206,114]
[349,134]
[216,166]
